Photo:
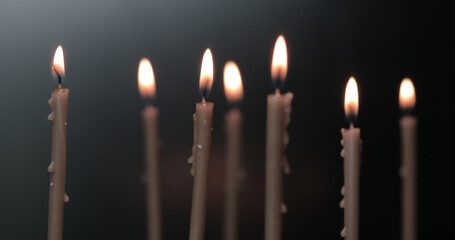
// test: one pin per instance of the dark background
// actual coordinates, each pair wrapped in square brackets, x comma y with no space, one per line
[379,42]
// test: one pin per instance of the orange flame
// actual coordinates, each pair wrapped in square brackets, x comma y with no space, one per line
[407,94]
[58,66]
[351,98]
[233,86]
[146,79]
[280,60]
[206,78]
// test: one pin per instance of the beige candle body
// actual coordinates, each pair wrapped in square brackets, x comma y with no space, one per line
[351,153]
[278,117]
[200,165]
[57,167]
[233,134]
[152,175]
[408,172]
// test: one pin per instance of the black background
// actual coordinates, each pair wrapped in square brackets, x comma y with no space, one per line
[378,42]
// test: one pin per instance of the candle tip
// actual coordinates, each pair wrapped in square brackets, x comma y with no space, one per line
[58,65]
[233,87]
[407,98]
[351,101]
[146,79]
[206,77]
[279,61]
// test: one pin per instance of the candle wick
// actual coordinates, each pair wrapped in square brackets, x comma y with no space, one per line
[58,76]
[277,92]
[204,90]
[203,100]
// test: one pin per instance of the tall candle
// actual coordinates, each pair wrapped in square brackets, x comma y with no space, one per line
[57,168]
[146,83]
[408,171]
[233,122]
[352,147]
[278,117]
[201,150]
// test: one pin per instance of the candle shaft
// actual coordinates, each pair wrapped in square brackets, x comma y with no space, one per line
[200,160]
[351,152]
[57,167]
[233,133]
[278,111]
[408,125]
[152,175]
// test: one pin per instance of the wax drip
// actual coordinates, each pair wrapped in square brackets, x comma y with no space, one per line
[50,168]
[342,200]
[343,232]
[66,198]
[50,117]
[342,203]
[284,208]
[343,189]
[287,109]
[192,158]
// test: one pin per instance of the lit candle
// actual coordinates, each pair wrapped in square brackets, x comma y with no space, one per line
[146,83]
[408,171]
[234,92]
[278,117]
[352,147]
[57,168]
[201,150]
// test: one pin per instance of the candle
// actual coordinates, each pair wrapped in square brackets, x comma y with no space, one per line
[57,167]
[278,117]
[352,145]
[408,171]
[234,92]
[146,83]
[201,150]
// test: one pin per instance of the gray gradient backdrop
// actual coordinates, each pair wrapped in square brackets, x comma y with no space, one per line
[380,42]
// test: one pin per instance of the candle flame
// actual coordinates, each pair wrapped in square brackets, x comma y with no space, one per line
[206,78]
[407,94]
[146,79]
[58,66]
[233,86]
[351,99]
[280,60]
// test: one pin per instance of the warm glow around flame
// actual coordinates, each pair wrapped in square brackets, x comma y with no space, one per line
[59,62]
[206,78]
[280,60]
[407,94]
[146,79]
[233,87]
[351,98]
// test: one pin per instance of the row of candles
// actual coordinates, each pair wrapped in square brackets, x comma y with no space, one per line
[277,138]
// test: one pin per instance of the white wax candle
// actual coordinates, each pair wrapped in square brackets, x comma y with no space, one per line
[57,168]
[352,145]
[408,171]
[146,84]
